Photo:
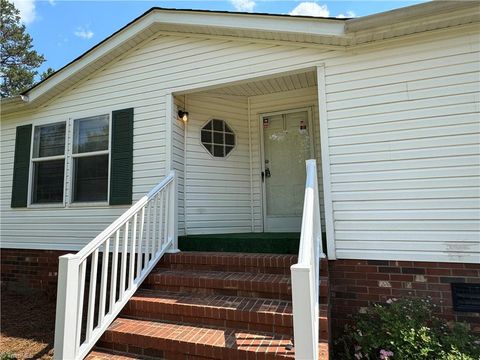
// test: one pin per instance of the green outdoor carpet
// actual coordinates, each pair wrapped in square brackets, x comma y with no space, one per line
[276,243]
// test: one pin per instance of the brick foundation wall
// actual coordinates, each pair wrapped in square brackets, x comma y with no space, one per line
[356,284]
[29,270]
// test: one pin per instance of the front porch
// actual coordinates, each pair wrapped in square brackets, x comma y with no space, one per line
[247,176]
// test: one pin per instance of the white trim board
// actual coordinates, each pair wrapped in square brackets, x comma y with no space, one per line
[324,145]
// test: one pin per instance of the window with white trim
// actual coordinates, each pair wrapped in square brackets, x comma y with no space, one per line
[48,163]
[90,159]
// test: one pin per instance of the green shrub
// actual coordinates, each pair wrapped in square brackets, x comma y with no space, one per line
[7,356]
[406,330]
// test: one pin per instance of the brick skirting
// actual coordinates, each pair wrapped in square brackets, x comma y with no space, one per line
[30,270]
[356,284]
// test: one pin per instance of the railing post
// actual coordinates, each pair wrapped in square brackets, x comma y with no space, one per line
[305,314]
[67,306]
[173,215]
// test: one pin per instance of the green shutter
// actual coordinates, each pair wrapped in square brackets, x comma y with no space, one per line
[21,166]
[121,157]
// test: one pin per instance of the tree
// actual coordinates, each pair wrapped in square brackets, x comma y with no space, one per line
[46,73]
[18,59]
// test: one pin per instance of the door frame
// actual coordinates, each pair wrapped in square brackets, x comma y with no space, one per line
[309,110]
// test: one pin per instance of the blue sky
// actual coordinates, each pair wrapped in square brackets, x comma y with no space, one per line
[62,30]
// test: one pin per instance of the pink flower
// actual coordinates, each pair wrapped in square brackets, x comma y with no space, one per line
[385,354]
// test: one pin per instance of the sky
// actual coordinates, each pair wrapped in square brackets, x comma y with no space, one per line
[62,30]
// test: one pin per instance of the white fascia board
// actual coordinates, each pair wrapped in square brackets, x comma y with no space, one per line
[7,105]
[325,27]
[299,25]
[407,14]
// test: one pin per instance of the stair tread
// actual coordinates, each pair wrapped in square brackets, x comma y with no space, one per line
[223,275]
[104,355]
[213,300]
[192,339]
[237,303]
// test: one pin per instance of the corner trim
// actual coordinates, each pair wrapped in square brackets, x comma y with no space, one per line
[324,146]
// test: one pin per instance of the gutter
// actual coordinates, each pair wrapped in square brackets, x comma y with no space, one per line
[8,104]
[415,12]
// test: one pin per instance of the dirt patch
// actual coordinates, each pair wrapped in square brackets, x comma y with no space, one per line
[27,325]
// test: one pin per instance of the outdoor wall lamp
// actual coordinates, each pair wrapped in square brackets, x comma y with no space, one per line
[183,115]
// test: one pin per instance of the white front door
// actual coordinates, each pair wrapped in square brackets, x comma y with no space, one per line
[287,143]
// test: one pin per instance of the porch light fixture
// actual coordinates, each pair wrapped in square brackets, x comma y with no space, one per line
[183,115]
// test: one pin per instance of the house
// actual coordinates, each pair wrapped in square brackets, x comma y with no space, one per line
[213,115]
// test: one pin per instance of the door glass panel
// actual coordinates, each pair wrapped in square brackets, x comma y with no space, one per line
[287,145]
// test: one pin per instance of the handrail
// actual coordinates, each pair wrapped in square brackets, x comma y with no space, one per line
[124,217]
[130,248]
[306,272]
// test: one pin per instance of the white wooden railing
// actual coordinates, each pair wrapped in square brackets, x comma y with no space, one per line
[306,273]
[129,249]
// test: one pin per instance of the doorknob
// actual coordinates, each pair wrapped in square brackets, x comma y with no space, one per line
[267,172]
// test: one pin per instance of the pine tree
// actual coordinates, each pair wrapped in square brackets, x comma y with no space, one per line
[46,73]
[18,59]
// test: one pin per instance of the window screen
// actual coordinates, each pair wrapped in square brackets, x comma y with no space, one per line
[48,163]
[90,159]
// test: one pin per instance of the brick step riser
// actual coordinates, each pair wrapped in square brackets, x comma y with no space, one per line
[277,323]
[146,315]
[144,345]
[109,354]
[219,263]
[230,268]
[253,270]
[219,291]
[233,292]
[273,291]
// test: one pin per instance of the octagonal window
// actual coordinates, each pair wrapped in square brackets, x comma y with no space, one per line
[218,138]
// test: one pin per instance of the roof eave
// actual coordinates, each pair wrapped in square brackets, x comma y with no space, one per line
[301,25]
[406,14]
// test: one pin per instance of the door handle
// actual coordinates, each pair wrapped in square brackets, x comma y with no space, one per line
[267,173]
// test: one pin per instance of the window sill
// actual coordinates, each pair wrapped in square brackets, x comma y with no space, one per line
[89,204]
[46,206]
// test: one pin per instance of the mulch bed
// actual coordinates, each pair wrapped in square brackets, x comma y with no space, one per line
[27,326]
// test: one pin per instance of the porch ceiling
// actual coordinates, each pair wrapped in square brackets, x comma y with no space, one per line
[270,85]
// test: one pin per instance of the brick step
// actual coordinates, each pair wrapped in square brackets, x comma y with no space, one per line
[181,341]
[233,262]
[218,310]
[271,286]
[99,354]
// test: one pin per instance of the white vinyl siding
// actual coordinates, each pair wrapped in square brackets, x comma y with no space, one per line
[404,136]
[138,79]
[403,141]
[218,189]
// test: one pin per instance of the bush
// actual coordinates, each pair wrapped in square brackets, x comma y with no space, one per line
[7,356]
[406,330]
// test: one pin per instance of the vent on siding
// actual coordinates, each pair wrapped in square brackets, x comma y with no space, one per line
[466,297]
